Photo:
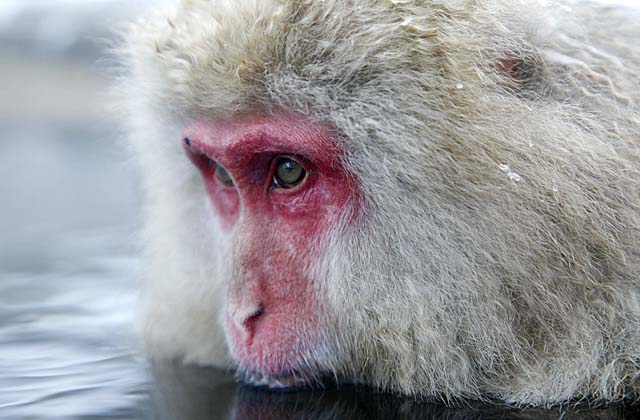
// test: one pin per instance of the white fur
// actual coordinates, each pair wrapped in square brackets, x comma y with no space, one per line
[497,253]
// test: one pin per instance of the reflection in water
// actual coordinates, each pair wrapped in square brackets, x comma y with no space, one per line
[194,393]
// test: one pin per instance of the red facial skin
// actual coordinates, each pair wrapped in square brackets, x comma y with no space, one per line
[273,316]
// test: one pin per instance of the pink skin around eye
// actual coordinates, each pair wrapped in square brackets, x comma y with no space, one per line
[274,316]
[224,198]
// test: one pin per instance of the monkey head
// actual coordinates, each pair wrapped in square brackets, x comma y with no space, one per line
[429,197]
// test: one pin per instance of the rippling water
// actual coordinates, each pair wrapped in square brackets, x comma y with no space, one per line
[66,341]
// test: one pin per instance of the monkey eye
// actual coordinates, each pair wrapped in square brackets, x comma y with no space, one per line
[288,173]
[221,174]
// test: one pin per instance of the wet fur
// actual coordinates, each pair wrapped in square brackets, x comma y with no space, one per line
[496,145]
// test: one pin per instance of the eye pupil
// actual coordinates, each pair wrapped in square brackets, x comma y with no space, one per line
[222,174]
[289,173]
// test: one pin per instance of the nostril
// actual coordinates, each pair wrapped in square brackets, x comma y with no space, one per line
[253,316]
[245,318]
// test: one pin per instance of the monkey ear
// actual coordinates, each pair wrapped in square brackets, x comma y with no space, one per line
[511,66]
[522,75]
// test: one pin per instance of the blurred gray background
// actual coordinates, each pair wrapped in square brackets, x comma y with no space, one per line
[60,171]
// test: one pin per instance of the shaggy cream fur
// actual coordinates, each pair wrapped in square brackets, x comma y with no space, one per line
[497,148]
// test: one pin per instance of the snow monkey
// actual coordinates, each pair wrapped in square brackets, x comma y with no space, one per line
[436,198]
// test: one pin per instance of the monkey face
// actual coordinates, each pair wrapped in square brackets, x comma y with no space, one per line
[277,188]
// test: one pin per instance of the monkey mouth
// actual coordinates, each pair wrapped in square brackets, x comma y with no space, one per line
[282,381]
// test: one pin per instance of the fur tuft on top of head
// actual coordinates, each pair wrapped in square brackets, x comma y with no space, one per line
[496,145]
